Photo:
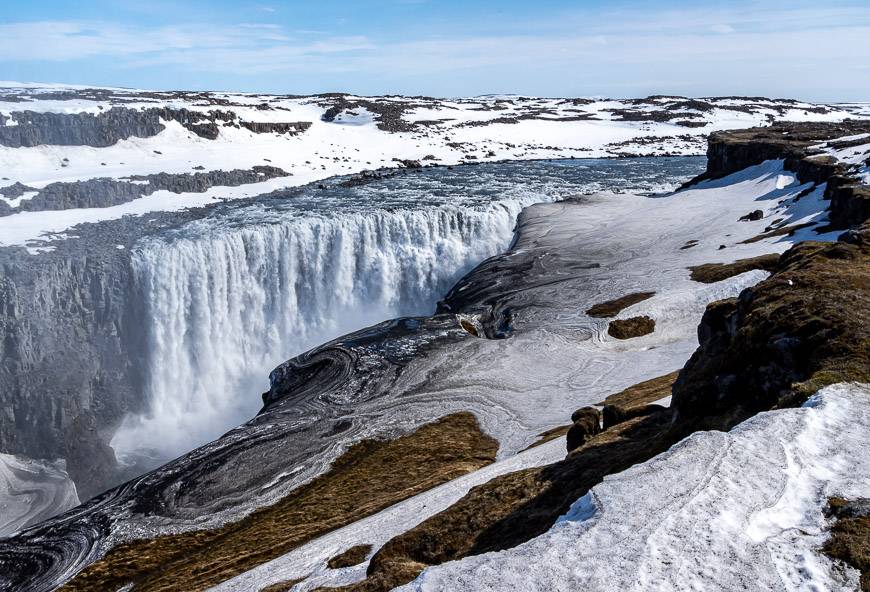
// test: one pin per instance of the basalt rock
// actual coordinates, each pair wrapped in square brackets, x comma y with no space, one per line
[734,150]
[752,216]
[586,423]
[105,192]
[32,128]
[850,201]
[805,327]
[63,400]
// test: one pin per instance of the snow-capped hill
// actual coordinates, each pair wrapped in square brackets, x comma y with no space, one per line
[57,142]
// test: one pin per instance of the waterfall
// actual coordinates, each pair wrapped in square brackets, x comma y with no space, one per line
[227,305]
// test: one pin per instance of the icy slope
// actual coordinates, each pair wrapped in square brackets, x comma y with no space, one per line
[32,491]
[559,359]
[720,511]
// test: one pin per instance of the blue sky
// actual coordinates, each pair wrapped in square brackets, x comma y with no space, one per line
[814,50]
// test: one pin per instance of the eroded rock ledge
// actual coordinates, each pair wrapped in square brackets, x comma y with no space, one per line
[795,143]
[805,327]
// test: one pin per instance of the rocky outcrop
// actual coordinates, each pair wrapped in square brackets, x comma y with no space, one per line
[805,327]
[586,422]
[850,201]
[631,327]
[34,128]
[105,192]
[732,151]
[735,150]
[269,127]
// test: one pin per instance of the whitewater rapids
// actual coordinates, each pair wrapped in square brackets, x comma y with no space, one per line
[227,298]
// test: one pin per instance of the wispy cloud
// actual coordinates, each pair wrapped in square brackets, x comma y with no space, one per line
[61,41]
[717,48]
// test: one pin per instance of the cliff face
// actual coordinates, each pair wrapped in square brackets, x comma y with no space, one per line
[805,327]
[33,128]
[63,399]
[105,192]
[796,144]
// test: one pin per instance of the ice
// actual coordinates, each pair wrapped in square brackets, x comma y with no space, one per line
[31,491]
[741,510]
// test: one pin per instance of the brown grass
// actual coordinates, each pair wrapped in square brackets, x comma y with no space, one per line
[629,328]
[548,435]
[850,536]
[515,507]
[611,308]
[784,231]
[353,556]
[370,476]
[709,273]
[643,393]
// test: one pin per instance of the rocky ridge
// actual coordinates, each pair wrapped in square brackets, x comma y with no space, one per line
[802,329]
[513,508]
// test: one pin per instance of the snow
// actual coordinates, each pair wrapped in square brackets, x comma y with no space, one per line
[309,561]
[559,359]
[16,201]
[719,511]
[350,144]
[31,491]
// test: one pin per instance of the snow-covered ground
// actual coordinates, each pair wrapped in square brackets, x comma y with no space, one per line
[851,150]
[445,131]
[558,359]
[31,491]
[742,510]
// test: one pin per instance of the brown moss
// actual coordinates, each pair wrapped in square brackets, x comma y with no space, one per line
[611,308]
[369,477]
[643,393]
[784,231]
[709,273]
[516,507]
[629,328]
[850,536]
[548,435]
[805,327]
[353,556]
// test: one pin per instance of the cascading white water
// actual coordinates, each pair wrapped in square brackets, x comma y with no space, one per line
[228,305]
[230,296]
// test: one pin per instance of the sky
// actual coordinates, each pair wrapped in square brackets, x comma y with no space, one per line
[812,50]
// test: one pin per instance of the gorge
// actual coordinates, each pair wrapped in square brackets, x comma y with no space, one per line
[225,292]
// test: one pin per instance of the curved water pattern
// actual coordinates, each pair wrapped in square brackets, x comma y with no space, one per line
[230,296]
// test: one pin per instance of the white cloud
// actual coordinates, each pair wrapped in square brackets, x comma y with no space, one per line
[722,29]
[737,45]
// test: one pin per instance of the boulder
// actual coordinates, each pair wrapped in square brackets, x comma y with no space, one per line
[587,423]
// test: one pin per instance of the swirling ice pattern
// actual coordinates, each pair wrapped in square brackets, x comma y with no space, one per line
[229,298]
[377,382]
